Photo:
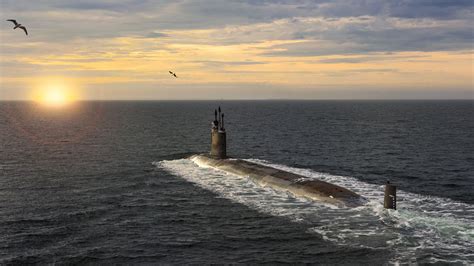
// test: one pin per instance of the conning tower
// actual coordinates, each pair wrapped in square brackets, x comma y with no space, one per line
[218,138]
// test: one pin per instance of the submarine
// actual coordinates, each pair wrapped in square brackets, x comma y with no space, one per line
[266,176]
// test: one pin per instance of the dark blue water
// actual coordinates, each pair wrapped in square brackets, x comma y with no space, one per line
[106,182]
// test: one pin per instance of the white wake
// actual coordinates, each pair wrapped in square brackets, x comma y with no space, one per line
[435,228]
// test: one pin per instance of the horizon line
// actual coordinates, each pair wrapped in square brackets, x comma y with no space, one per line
[246,99]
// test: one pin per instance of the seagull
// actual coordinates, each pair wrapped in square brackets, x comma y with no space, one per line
[18,25]
[174,74]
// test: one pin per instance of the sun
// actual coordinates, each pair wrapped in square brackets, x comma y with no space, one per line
[54,94]
[54,97]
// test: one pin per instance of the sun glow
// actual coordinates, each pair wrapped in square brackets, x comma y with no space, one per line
[54,97]
[55,94]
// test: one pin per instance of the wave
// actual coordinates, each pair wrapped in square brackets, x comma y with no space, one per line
[424,229]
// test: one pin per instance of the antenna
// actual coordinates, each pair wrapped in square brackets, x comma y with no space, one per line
[219,115]
[222,120]
[215,114]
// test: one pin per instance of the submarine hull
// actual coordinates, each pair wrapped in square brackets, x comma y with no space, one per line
[284,181]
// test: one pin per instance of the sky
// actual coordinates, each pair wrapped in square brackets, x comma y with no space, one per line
[240,49]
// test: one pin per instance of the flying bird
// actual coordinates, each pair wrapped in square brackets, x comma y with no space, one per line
[18,25]
[174,74]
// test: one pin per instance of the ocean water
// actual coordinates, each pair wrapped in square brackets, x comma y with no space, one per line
[109,182]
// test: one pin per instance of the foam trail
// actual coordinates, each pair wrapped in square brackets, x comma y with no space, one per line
[432,228]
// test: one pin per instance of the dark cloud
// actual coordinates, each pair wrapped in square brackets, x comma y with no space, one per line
[87,5]
[58,21]
[356,39]
[371,58]
[441,9]
[83,5]
[156,35]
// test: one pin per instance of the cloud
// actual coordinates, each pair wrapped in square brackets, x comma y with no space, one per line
[242,42]
[372,34]
[330,27]
[219,64]
[439,9]
[377,57]
[156,35]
